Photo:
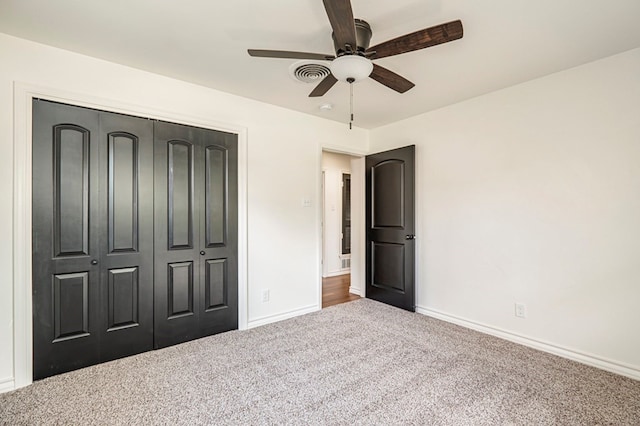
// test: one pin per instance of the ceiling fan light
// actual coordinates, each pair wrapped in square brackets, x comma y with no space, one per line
[353,67]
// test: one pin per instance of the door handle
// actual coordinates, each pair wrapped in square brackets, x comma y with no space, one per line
[202,253]
[410,237]
[94,262]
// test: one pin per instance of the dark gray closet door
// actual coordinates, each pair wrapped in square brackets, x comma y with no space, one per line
[127,245]
[195,233]
[92,237]
[66,239]
[219,234]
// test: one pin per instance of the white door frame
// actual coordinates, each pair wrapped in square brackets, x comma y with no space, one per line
[22,208]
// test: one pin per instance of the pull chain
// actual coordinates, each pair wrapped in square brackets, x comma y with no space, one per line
[351,105]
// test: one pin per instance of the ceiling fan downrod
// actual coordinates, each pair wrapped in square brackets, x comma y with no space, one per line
[362,39]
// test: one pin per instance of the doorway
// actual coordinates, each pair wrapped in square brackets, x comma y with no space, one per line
[342,204]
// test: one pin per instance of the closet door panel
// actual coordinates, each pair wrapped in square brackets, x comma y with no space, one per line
[216,203]
[216,284]
[70,306]
[71,190]
[180,194]
[127,214]
[219,224]
[123,192]
[65,238]
[123,305]
[177,256]
[180,289]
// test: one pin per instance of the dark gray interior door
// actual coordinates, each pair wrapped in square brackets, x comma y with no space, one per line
[196,242]
[92,237]
[390,227]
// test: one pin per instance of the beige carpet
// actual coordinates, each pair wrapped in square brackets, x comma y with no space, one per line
[356,363]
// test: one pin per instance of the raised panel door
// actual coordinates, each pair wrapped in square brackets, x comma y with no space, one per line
[126,188]
[390,227]
[177,223]
[65,238]
[219,222]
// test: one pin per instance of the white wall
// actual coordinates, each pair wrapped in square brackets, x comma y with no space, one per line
[283,168]
[333,166]
[532,194]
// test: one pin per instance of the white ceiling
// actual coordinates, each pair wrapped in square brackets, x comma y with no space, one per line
[205,42]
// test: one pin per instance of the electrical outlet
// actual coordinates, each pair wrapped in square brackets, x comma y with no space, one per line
[521,310]
[265,295]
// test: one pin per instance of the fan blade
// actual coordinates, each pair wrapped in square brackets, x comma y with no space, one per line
[419,40]
[390,79]
[289,55]
[341,18]
[324,86]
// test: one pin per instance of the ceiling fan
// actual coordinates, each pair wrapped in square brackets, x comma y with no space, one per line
[352,60]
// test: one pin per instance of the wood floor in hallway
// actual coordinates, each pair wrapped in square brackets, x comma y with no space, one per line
[335,290]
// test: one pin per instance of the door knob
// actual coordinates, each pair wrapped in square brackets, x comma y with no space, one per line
[94,262]
[202,252]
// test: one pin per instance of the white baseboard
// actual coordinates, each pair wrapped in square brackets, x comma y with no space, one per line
[282,316]
[7,384]
[337,273]
[584,358]
[355,290]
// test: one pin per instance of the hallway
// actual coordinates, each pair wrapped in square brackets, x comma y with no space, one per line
[335,290]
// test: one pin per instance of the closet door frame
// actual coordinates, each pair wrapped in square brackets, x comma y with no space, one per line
[22,211]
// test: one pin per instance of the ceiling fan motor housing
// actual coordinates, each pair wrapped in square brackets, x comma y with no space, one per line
[363,38]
